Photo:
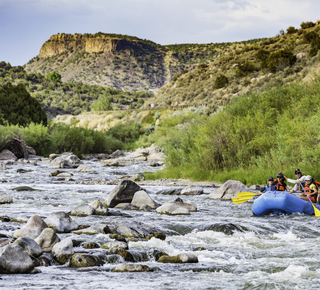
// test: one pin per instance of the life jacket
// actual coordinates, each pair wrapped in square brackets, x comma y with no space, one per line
[272,187]
[280,186]
[308,190]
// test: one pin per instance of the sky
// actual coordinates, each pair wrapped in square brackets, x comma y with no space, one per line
[26,24]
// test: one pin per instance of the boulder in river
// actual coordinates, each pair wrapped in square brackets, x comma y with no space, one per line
[131,268]
[84,168]
[141,198]
[181,258]
[83,210]
[61,222]
[47,239]
[192,190]
[99,207]
[122,193]
[176,207]
[32,229]
[63,250]
[85,260]
[15,260]
[30,246]
[228,190]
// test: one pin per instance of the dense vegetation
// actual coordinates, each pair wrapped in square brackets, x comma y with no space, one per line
[17,107]
[258,135]
[251,67]
[58,97]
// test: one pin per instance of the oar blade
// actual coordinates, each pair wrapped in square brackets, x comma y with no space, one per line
[237,200]
[316,211]
[247,194]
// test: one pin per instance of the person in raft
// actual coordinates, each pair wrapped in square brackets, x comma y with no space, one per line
[271,186]
[300,181]
[281,183]
[311,189]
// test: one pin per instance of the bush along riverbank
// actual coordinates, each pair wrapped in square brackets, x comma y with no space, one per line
[254,137]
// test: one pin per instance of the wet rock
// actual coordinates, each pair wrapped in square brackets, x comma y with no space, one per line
[7,155]
[181,258]
[192,190]
[172,209]
[30,246]
[15,260]
[131,268]
[61,222]
[141,198]
[4,242]
[63,250]
[84,168]
[136,230]
[23,188]
[4,198]
[125,254]
[85,260]
[3,166]
[83,210]
[97,228]
[65,160]
[32,229]
[228,190]
[122,193]
[178,201]
[65,174]
[116,245]
[170,191]
[91,245]
[21,170]
[47,239]
[227,229]
[98,206]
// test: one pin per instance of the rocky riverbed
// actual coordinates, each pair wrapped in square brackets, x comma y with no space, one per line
[94,222]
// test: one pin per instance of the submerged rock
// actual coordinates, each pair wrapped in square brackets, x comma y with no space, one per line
[192,190]
[4,198]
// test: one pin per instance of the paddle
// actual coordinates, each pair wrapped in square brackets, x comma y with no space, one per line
[243,197]
[316,211]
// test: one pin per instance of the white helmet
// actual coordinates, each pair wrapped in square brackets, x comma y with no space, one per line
[308,177]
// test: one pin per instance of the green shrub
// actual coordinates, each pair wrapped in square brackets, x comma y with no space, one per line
[125,132]
[220,82]
[308,24]
[291,30]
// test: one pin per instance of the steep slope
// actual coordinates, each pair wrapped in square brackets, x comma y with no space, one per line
[120,61]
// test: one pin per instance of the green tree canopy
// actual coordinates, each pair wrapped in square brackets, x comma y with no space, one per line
[53,76]
[102,104]
[17,107]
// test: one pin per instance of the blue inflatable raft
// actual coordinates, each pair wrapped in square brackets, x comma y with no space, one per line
[281,202]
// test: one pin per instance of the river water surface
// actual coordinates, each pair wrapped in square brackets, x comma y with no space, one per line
[271,252]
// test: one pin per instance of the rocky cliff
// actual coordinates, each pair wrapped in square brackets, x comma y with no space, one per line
[119,61]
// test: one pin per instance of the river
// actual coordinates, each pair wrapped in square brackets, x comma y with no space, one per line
[270,252]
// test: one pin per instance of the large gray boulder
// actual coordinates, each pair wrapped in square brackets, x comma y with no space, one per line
[176,207]
[228,190]
[65,160]
[32,229]
[61,222]
[141,199]
[95,229]
[15,260]
[138,230]
[83,210]
[63,250]
[181,258]
[47,239]
[131,268]
[98,206]
[85,260]
[30,246]
[122,193]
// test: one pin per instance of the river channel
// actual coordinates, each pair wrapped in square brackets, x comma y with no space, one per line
[270,252]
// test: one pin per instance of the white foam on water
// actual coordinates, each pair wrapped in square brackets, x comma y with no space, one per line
[292,272]
[289,236]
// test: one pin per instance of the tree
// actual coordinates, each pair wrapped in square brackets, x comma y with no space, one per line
[102,104]
[53,76]
[17,107]
[220,82]
[291,30]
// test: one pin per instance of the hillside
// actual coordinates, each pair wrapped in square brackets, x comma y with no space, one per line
[120,61]
[283,59]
